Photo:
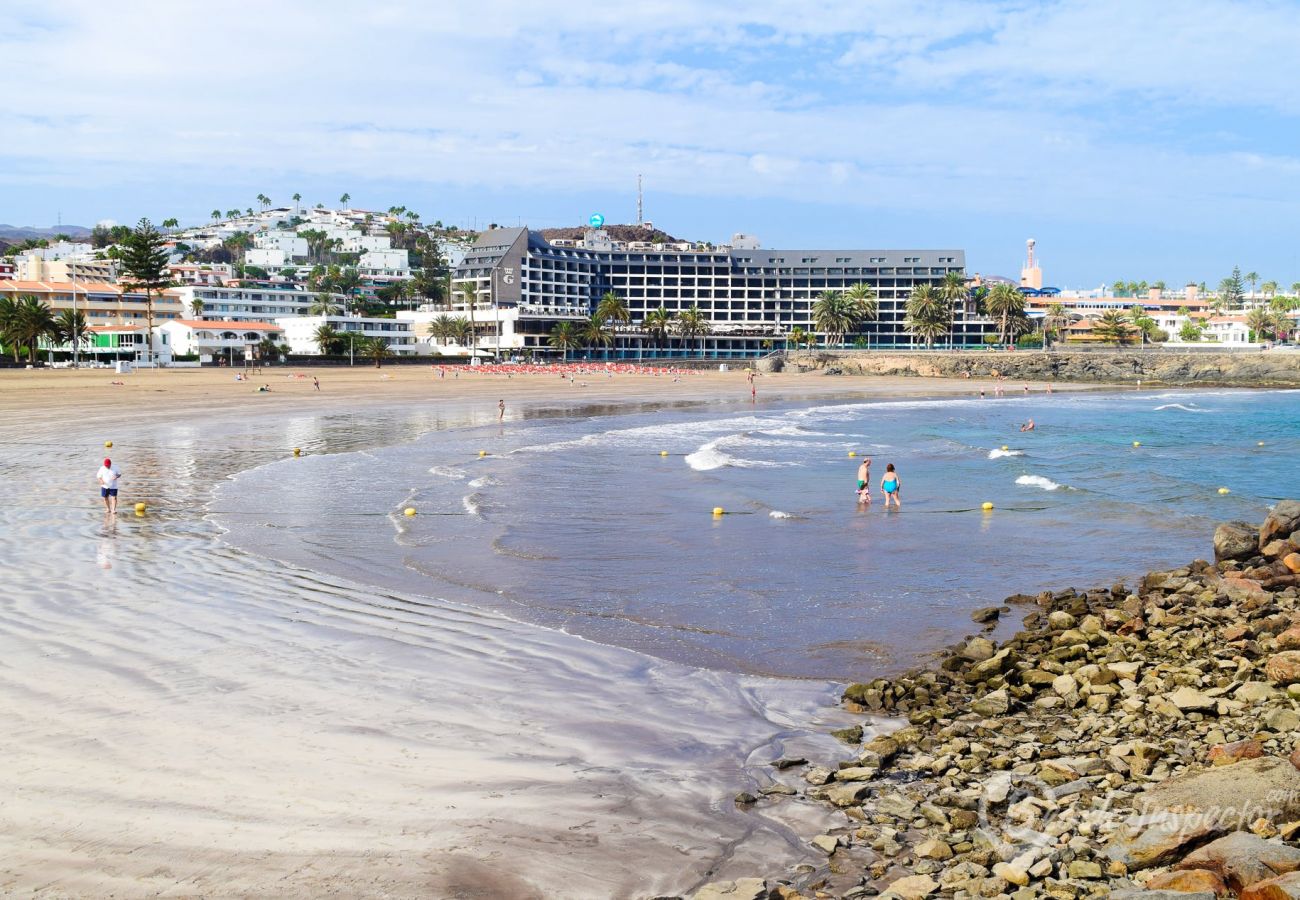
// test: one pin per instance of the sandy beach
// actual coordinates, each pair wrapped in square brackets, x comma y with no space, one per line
[188,719]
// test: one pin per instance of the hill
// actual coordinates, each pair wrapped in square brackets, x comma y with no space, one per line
[18,233]
[626,233]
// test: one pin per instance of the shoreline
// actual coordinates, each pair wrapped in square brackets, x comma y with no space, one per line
[1137,743]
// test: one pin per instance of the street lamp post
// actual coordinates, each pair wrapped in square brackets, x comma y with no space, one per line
[75,336]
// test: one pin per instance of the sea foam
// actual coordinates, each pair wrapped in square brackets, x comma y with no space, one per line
[1039,481]
[997,453]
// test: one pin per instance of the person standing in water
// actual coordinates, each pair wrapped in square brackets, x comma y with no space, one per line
[501,410]
[108,477]
[864,481]
[891,486]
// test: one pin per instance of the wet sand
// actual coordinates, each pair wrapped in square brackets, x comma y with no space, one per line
[183,718]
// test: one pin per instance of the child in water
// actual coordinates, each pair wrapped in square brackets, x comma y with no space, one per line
[890,485]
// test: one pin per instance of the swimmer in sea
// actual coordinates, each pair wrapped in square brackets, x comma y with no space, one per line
[890,485]
[1028,426]
[864,481]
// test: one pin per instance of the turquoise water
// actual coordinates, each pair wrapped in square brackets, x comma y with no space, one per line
[576,521]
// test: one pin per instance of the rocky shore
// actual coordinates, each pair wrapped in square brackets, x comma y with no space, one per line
[1139,742]
[1151,366]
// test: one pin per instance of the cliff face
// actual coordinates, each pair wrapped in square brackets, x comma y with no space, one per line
[1244,369]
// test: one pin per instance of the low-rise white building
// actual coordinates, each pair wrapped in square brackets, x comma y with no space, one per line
[287,241]
[384,260]
[241,303]
[215,338]
[300,333]
[1228,329]
[202,273]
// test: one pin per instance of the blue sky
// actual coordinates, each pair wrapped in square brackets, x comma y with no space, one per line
[1133,140]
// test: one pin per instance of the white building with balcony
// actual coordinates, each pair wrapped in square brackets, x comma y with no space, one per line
[384,261]
[215,338]
[300,333]
[251,303]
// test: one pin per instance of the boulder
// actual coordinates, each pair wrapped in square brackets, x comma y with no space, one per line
[1235,540]
[1284,668]
[1160,895]
[1284,519]
[1189,700]
[1232,796]
[913,887]
[994,703]
[1227,754]
[740,889]
[1289,639]
[978,649]
[1242,859]
[986,615]
[847,794]
[1189,881]
[1154,840]
[1292,562]
[1284,887]
[826,843]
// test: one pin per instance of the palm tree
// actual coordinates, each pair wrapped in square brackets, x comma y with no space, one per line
[865,306]
[955,290]
[1295,288]
[343,201]
[797,336]
[1144,324]
[324,305]
[196,308]
[216,216]
[612,308]
[70,328]
[346,282]
[376,348]
[658,324]
[443,328]
[564,337]
[597,333]
[1269,289]
[1261,322]
[171,223]
[296,199]
[1112,326]
[326,338]
[928,314]
[32,320]
[470,290]
[1056,320]
[1252,277]
[691,323]
[1006,303]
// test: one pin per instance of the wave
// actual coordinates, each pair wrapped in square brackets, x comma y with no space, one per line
[484,481]
[711,456]
[471,504]
[449,472]
[998,453]
[777,514]
[1046,484]
[1195,409]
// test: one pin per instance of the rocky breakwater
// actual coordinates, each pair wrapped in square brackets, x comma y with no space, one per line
[1156,367]
[1140,743]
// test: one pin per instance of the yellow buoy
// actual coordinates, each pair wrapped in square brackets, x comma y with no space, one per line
[140,508]
[297,451]
[1005,448]
[482,453]
[1224,491]
[108,443]
[663,452]
[853,453]
[1137,443]
[1261,444]
[718,510]
[986,506]
[409,511]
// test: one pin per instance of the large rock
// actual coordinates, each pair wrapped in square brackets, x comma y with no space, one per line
[1284,887]
[994,703]
[1160,838]
[1242,859]
[1284,519]
[1283,668]
[914,887]
[1235,540]
[1233,796]
[1189,881]
[740,889]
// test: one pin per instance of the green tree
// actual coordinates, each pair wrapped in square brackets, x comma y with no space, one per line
[1231,292]
[470,290]
[216,216]
[70,328]
[1112,326]
[564,337]
[1189,333]
[797,336]
[612,308]
[658,323]
[1269,289]
[1261,322]
[144,268]
[297,198]
[375,348]
[1145,325]
[929,315]
[1056,321]
[1006,304]
[343,201]
[325,304]
[326,338]
[1119,288]
[268,351]
[31,321]
[691,323]
[1252,277]
[865,305]
[171,224]
[596,332]
[831,316]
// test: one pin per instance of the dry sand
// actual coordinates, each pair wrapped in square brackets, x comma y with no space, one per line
[182,719]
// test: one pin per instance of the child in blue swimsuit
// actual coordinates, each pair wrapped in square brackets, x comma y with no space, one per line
[890,485]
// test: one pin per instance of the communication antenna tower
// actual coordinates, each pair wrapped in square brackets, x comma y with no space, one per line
[640,218]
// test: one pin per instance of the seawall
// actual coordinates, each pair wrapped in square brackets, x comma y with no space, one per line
[1243,369]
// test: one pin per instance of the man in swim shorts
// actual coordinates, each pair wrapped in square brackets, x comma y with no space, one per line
[108,477]
[864,481]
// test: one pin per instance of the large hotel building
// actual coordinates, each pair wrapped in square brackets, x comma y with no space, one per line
[752,298]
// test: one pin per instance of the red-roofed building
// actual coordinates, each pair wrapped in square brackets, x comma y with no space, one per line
[215,337]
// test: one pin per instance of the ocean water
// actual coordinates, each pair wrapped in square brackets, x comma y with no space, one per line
[574,519]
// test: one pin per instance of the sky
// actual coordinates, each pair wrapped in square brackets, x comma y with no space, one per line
[1133,139]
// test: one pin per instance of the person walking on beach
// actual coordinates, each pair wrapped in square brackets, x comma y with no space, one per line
[501,410]
[315,382]
[864,481]
[890,485]
[108,477]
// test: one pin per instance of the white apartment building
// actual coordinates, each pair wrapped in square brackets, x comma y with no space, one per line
[202,273]
[238,303]
[267,258]
[300,333]
[34,267]
[357,242]
[209,339]
[384,260]
[287,241]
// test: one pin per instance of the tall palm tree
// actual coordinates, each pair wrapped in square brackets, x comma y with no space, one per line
[297,198]
[171,223]
[658,324]
[1260,321]
[1269,289]
[216,216]
[597,333]
[691,323]
[833,316]
[343,201]
[32,321]
[564,337]
[1056,320]
[1252,277]
[470,290]
[375,348]
[797,336]
[1006,303]
[326,338]
[956,291]
[8,324]
[70,328]
[1144,324]
[196,308]
[865,305]
[324,305]
[612,308]
[929,315]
